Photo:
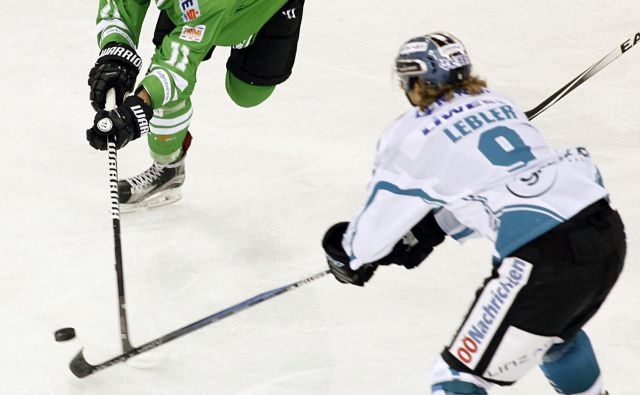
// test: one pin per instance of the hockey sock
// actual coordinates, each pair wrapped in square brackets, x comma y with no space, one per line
[246,95]
[448,381]
[457,388]
[168,129]
[571,367]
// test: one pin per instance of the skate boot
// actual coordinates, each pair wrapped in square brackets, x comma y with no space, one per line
[156,186]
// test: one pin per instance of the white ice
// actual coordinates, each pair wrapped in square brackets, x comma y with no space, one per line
[263,184]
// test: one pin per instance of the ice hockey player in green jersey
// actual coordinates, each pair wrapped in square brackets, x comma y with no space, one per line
[263,35]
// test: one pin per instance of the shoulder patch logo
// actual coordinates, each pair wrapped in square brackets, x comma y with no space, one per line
[192,33]
[190,10]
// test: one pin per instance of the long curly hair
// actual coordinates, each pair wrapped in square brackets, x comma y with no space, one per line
[429,93]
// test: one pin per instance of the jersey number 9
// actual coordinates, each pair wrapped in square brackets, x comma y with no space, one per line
[502,146]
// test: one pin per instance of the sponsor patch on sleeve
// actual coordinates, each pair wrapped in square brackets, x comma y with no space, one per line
[190,10]
[192,33]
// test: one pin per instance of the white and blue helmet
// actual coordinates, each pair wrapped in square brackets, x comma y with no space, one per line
[437,58]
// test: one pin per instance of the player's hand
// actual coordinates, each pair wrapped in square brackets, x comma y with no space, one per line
[416,245]
[339,261]
[117,67]
[126,123]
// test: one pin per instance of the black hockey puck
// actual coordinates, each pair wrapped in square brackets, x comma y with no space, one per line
[65,334]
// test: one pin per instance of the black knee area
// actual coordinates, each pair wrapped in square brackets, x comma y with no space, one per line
[164,26]
[269,60]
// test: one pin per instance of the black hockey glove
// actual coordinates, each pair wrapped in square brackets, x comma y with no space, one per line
[126,123]
[416,245]
[339,261]
[117,67]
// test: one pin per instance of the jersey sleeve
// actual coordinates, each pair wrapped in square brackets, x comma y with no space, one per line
[389,213]
[394,205]
[120,21]
[172,73]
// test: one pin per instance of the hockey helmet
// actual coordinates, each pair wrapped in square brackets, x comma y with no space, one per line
[437,58]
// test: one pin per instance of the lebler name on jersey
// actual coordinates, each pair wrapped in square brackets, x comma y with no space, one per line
[438,120]
[474,122]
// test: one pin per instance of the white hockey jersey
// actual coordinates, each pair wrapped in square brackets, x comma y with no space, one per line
[482,165]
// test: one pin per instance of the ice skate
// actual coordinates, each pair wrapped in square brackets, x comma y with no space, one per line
[159,185]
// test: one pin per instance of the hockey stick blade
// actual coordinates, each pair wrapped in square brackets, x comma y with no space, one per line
[585,75]
[81,368]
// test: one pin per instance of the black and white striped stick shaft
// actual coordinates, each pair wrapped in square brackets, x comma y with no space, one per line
[115,218]
[81,368]
[585,75]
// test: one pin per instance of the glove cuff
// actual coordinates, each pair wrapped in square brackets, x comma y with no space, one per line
[122,53]
[141,113]
[332,241]
[428,230]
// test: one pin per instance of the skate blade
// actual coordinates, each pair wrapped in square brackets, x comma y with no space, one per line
[163,198]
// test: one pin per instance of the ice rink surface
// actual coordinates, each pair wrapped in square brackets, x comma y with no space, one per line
[262,186]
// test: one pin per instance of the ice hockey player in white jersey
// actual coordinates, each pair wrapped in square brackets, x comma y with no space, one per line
[465,161]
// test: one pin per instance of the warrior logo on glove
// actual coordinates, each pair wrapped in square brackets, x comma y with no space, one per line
[104,125]
[141,117]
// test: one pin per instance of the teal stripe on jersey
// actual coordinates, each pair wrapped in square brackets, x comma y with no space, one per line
[462,234]
[387,186]
[518,227]
[531,207]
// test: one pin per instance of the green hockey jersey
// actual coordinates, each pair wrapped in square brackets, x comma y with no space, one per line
[200,24]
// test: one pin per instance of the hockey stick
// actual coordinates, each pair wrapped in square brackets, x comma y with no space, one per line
[115,217]
[585,75]
[81,368]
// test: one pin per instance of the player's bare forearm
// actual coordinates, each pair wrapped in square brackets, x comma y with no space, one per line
[144,95]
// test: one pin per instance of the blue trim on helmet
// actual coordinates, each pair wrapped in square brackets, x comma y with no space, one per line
[436,58]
